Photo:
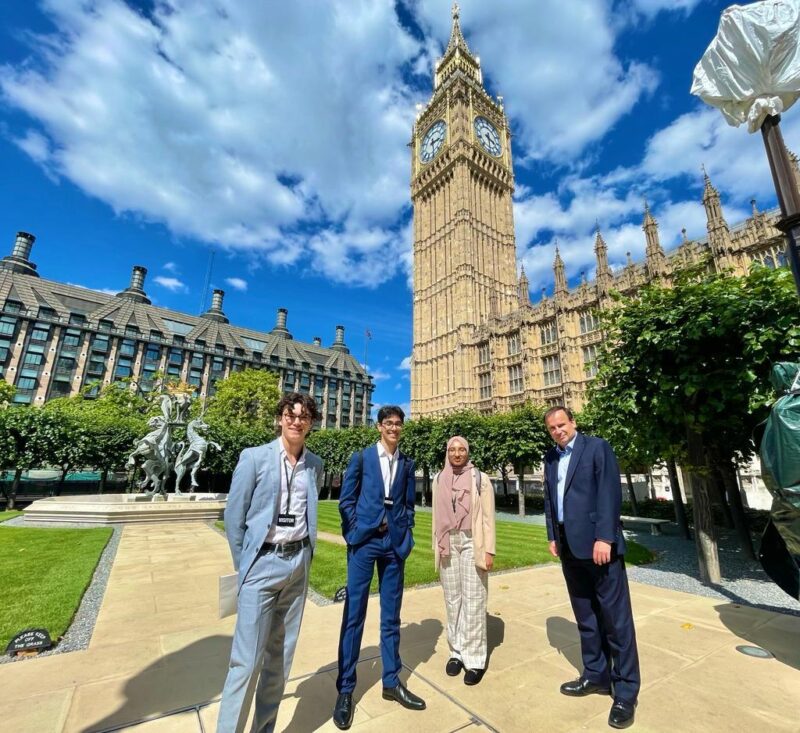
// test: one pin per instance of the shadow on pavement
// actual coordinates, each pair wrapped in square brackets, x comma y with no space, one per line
[780,643]
[317,693]
[563,637]
[495,634]
[191,676]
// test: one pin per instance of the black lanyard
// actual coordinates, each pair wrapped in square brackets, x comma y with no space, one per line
[289,480]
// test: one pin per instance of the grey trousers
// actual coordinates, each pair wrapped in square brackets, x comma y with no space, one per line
[270,609]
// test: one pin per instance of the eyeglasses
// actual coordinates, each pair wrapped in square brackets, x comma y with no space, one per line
[392,425]
[290,418]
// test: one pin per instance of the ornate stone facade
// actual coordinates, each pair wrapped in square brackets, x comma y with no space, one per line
[479,342]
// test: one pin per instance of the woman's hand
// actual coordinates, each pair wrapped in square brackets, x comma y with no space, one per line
[489,561]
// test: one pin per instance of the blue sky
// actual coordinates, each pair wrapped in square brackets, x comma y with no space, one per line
[275,134]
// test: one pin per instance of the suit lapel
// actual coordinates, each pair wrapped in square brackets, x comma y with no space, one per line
[398,471]
[371,457]
[274,465]
[577,450]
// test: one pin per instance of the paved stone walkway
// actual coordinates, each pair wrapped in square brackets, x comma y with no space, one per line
[159,648]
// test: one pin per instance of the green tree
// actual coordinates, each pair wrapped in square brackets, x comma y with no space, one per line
[27,439]
[691,362]
[419,442]
[247,398]
[336,446]
[7,392]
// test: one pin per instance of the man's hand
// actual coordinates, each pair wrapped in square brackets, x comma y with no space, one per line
[601,553]
[553,548]
[489,561]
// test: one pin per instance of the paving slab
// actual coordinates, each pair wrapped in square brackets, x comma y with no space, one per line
[159,655]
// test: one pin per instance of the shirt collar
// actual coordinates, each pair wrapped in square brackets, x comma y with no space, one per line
[567,449]
[285,453]
[382,453]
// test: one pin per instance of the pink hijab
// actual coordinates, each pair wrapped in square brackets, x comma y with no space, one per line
[453,497]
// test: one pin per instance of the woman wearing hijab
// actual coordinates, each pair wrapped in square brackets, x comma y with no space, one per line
[463,546]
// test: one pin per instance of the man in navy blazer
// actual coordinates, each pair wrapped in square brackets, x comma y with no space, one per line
[377,508]
[271,525]
[583,498]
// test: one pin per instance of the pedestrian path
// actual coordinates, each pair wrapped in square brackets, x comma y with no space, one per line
[158,658]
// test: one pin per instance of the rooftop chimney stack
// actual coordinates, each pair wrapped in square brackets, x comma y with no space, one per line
[19,259]
[338,342]
[317,341]
[280,329]
[215,312]
[135,291]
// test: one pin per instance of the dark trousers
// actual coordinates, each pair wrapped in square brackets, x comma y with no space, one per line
[361,562]
[601,603]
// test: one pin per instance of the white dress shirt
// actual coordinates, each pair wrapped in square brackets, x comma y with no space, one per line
[298,500]
[388,463]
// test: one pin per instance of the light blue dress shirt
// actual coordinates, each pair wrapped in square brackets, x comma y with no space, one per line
[564,455]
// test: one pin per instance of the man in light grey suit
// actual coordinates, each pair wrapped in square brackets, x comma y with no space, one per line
[271,524]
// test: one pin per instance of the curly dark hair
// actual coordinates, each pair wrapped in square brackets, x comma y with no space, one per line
[307,403]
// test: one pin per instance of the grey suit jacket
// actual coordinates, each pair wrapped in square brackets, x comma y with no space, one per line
[252,505]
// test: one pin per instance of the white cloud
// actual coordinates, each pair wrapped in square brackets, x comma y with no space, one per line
[378,375]
[405,365]
[237,283]
[215,120]
[555,64]
[105,291]
[651,8]
[171,283]
[170,267]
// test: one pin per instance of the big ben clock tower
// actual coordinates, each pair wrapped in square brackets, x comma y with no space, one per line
[462,182]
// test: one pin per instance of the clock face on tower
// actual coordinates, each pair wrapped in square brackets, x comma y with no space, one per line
[487,134]
[432,141]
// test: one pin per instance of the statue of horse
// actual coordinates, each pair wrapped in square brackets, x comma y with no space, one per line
[191,456]
[154,450]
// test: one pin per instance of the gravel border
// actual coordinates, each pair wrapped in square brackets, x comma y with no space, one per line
[79,633]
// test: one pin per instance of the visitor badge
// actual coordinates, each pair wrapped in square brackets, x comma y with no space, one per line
[388,502]
[286,520]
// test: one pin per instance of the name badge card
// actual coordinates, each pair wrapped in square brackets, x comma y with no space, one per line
[286,520]
[387,502]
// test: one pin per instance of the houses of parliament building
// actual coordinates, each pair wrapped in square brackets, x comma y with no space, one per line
[479,342]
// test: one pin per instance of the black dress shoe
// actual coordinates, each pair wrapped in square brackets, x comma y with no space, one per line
[621,715]
[582,686]
[343,712]
[473,676]
[404,697]
[454,667]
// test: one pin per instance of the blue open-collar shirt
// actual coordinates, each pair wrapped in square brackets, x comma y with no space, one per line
[564,455]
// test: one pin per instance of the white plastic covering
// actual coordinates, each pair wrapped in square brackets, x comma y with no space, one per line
[752,67]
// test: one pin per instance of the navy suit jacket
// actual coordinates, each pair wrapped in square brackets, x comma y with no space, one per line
[592,497]
[361,501]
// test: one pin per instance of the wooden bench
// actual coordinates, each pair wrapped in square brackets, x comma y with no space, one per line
[654,524]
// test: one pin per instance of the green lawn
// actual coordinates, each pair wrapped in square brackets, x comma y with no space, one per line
[43,576]
[5,516]
[518,545]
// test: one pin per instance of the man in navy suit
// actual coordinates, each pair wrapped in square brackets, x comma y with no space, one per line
[377,508]
[271,524]
[582,505]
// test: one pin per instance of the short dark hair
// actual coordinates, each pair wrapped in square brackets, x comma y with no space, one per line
[389,411]
[559,408]
[308,404]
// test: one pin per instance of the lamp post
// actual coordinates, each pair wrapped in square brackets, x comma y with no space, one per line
[751,72]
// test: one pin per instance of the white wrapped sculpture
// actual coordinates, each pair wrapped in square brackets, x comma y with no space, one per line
[752,67]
